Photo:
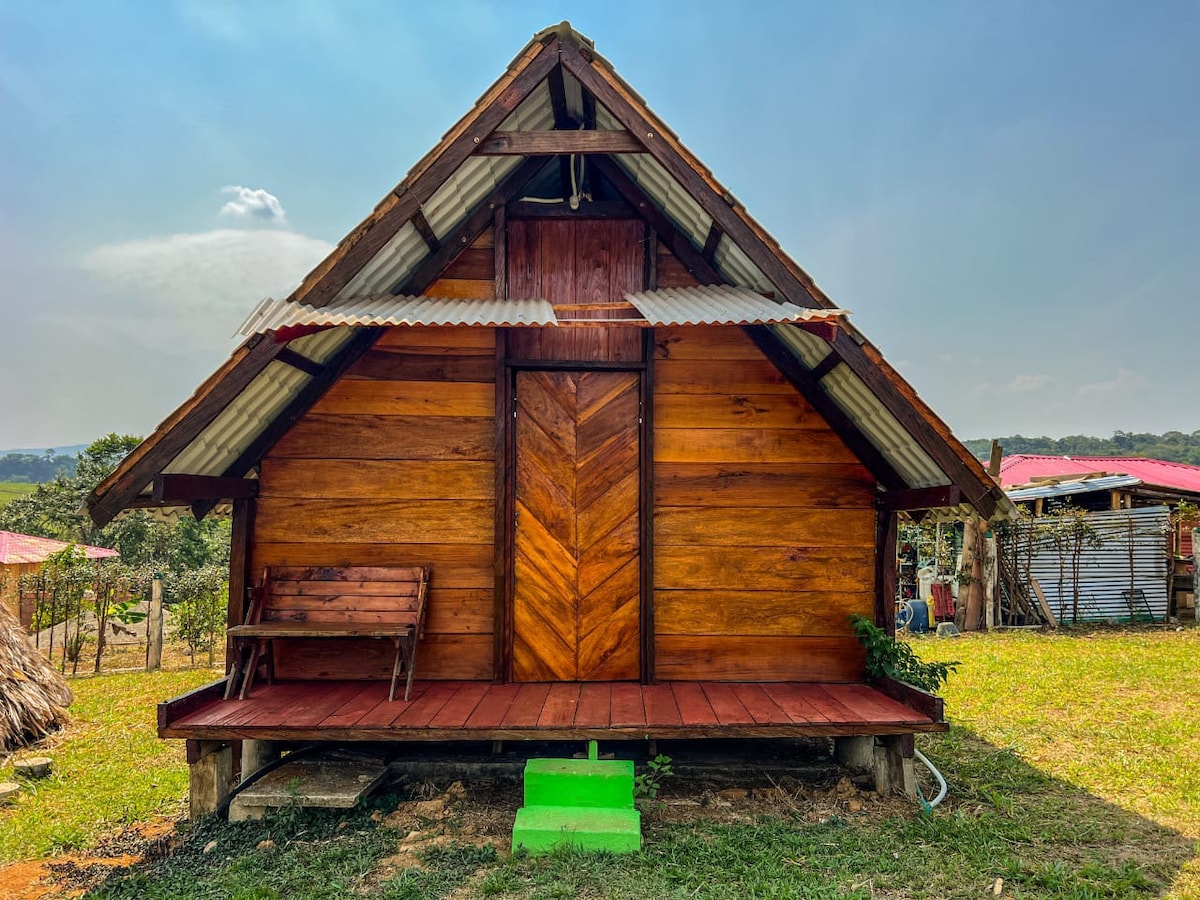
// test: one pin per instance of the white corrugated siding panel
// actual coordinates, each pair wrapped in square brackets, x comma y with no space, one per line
[391,265]
[737,267]
[474,180]
[534,113]
[393,309]
[719,305]
[1105,571]
[238,424]
[688,216]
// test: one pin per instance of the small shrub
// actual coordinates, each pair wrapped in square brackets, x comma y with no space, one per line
[649,782]
[889,657]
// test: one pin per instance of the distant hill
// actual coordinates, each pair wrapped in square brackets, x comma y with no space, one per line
[34,468]
[72,450]
[1175,446]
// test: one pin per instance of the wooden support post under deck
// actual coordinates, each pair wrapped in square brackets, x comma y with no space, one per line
[257,755]
[210,776]
[894,772]
[856,752]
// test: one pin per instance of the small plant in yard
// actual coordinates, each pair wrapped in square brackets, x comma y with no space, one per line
[650,782]
[889,657]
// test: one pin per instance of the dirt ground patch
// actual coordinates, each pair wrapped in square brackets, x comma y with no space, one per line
[74,874]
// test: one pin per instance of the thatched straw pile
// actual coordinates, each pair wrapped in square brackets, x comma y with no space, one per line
[33,696]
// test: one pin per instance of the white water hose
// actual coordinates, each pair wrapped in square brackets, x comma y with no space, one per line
[942,788]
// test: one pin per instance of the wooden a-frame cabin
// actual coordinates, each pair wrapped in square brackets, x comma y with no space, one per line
[651,468]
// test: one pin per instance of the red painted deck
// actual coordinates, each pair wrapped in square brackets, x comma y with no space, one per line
[472,710]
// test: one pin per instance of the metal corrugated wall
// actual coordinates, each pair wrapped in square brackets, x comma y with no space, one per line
[1105,571]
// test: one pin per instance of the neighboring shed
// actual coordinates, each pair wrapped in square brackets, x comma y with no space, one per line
[1044,484]
[23,554]
[652,468]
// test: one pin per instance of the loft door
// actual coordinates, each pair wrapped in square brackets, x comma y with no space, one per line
[576,606]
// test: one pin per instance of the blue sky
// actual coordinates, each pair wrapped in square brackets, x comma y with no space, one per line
[1006,195]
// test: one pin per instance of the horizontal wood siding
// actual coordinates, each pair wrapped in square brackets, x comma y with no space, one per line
[764,523]
[395,466]
[472,274]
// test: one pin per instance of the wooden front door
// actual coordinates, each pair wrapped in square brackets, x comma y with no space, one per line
[576,598]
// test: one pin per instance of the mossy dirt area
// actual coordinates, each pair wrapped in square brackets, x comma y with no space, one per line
[1071,764]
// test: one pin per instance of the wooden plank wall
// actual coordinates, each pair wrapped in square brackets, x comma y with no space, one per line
[764,523]
[395,466]
[584,267]
[472,274]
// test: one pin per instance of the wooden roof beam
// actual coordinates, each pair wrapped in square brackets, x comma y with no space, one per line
[556,143]
[801,379]
[176,490]
[921,498]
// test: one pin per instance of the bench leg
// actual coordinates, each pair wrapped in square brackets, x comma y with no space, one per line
[248,678]
[235,670]
[411,663]
[396,670]
[271,661]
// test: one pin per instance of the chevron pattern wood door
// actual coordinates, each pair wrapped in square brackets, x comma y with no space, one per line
[576,600]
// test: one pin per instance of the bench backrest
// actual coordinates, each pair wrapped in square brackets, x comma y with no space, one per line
[342,595]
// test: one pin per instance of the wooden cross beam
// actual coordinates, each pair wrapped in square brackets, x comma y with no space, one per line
[555,143]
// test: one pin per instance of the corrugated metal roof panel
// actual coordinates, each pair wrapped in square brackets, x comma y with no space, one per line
[661,187]
[391,309]
[737,267]
[322,346]
[535,112]
[1021,468]
[809,348]
[720,305]
[472,182]
[239,423]
[26,549]
[1066,488]
[392,264]
[882,429]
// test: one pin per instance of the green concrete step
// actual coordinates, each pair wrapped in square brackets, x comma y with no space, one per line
[600,783]
[540,829]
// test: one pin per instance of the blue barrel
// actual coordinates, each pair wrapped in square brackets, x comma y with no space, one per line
[920,617]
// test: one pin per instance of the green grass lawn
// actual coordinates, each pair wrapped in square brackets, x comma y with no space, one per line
[10,490]
[1072,764]
[110,768]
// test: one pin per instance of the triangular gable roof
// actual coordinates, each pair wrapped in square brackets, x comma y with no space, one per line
[556,84]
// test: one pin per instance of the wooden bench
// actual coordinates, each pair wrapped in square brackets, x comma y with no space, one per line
[331,602]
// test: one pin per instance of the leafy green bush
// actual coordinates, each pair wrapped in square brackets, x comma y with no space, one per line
[889,657]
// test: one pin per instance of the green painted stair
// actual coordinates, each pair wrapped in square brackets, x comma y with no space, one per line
[583,803]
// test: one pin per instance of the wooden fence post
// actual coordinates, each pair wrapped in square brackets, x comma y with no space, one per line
[154,626]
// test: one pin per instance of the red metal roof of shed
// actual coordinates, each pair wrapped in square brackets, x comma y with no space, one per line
[25,548]
[1022,468]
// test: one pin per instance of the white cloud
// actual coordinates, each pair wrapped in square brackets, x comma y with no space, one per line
[1020,384]
[253,203]
[191,289]
[1124,382]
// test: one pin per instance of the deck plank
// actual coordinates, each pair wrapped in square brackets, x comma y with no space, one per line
[659,701]
[760,705]
[385,713]
[370,696]
[693,706]
[418,714]
[832,706]
[792,700]
[874,705]
[559,710]
[595,705]
[726,705]
[309,707]
[526,706]
[459,707]
[490,711]
[627,705]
